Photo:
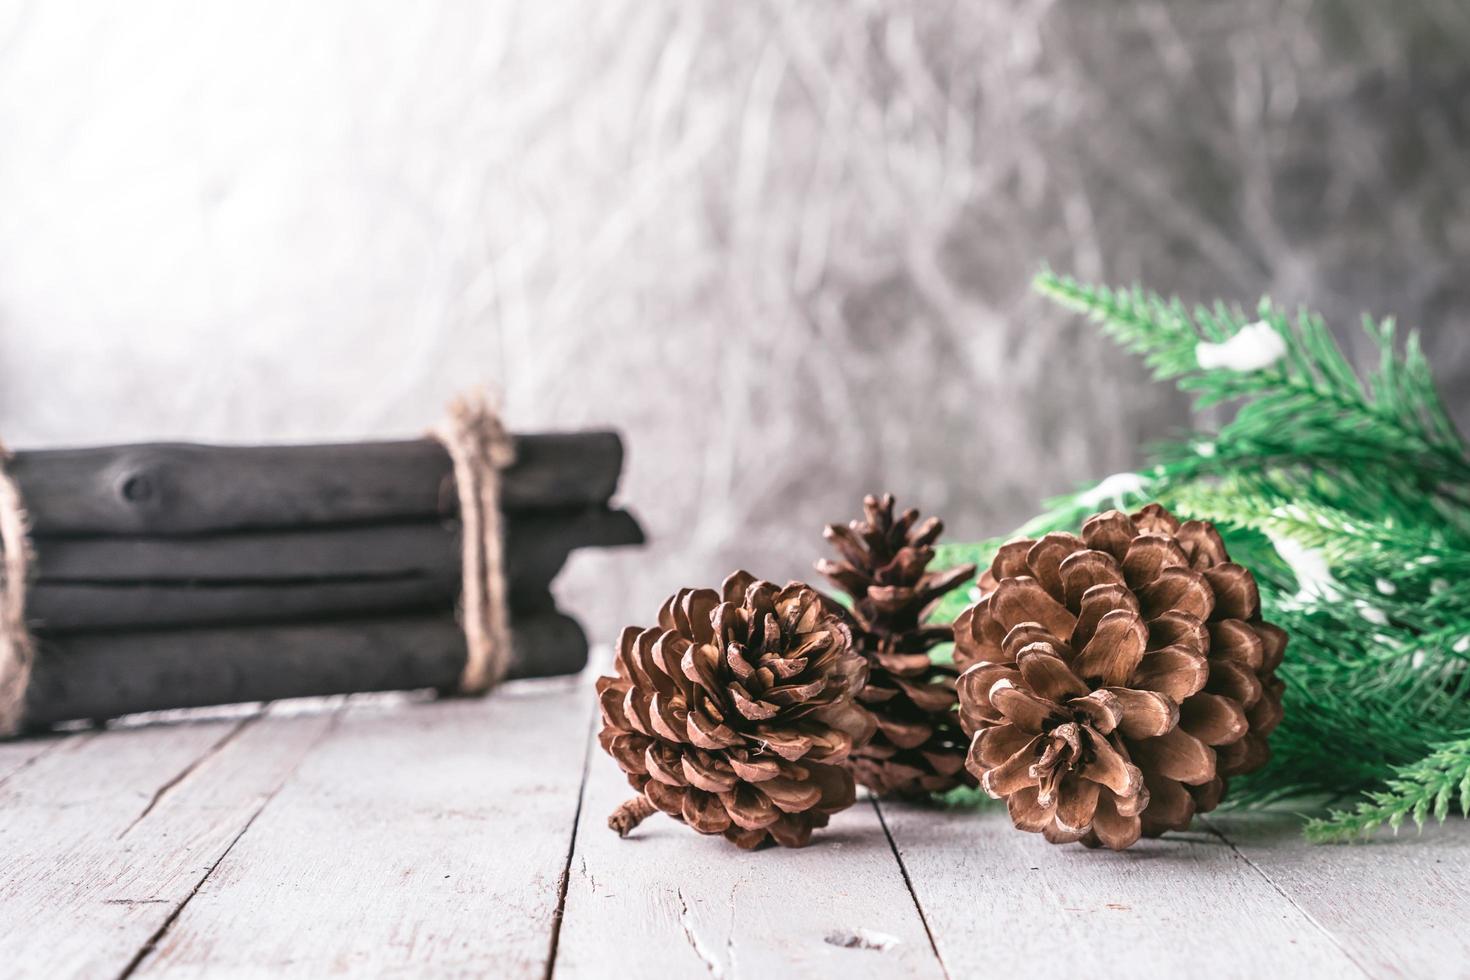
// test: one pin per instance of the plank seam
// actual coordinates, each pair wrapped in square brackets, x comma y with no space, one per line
[1327,933]
[187,771]
[78,739]
[195,582]
[168,923]
[908,883]
[565,880]
[692,936]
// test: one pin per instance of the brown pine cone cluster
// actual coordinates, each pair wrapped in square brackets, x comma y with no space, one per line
[1114,681]
[918,747]
[736,713]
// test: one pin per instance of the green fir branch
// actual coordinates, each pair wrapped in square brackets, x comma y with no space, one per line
[1388,542]
[1318,468]
[1309,407]
[1420,791]
[952,555]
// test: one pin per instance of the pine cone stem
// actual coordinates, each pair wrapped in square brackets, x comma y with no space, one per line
[630,814]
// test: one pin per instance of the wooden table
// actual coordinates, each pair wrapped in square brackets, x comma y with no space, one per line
[376,836]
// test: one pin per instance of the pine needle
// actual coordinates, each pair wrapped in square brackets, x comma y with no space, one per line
[1427,788]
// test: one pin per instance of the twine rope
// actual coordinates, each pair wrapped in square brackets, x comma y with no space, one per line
[480,448]
[17,650]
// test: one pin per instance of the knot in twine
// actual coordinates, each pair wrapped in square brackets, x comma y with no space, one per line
[17,650]
[480,448]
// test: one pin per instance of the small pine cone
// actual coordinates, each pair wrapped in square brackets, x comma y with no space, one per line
[735,714]
[1113,682]
[918,747]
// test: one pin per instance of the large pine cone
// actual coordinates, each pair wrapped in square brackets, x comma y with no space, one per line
[1114,681]
[918,747]
[735,714]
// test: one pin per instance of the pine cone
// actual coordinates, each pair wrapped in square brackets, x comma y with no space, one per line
[1113,682]
[735,714]
[918,747]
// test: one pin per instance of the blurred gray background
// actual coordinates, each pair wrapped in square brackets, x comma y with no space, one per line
[785,247]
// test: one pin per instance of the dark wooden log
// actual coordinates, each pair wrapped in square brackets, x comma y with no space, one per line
[426,548]
[68,608]
[104,675]
[291,576]
[169,489]
[419,548]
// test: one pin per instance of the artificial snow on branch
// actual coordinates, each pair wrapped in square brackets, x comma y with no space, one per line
[1255,347]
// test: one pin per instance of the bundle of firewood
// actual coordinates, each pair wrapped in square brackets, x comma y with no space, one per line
[178,575]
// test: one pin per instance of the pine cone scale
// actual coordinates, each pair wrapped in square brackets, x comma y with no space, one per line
[1169,801]
[1076,804]
[705,812]
[1176,755]
[1112,827]
[1213,719]
[1046,673]
[1109,767]
[1024,600]
[1113,652]
[1175,672]
[1014,773]
[1146,714]
[1027,813]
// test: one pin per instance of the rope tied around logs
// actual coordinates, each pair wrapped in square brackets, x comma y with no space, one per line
[480,448]
[17,649]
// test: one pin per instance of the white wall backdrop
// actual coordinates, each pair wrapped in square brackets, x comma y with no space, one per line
[784,247]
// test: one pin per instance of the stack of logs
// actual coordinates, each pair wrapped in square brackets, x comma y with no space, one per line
[172,576]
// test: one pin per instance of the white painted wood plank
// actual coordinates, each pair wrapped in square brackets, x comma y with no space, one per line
[17,755]
[1398,905]
[105,836]
[415,840]
[667,902]
[1000,903]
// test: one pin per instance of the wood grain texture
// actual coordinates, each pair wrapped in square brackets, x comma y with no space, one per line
[105,837]
[428,547]
[56,608]
[437,839]
[1398,905]
[15,756]
[192,489]
[102,675]
[417,841]
[425,548]
[1001,902]
[667,902]
[286,576]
